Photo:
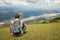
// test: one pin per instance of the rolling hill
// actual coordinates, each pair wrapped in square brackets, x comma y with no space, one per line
[56,20]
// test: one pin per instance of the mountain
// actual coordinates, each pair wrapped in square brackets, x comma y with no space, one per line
[7,13]
[44,18]
[41,18]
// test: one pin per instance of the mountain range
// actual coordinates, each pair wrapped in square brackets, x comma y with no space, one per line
[7,13]
[42,18]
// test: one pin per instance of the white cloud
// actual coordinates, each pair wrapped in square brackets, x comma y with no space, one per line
[17,2]
[55,3]
[2,3]
[31,3]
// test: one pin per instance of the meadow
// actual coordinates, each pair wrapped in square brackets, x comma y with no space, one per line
[49,31]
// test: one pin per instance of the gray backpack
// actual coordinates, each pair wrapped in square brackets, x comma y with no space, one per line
[15,28]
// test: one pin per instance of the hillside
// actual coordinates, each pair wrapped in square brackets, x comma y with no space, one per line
[34,32]
[56,20]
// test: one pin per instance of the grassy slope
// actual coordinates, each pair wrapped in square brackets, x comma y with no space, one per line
[34,32]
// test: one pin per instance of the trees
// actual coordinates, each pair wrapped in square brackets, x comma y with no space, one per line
[56,20]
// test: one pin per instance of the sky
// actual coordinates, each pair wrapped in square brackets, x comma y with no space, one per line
[31,3]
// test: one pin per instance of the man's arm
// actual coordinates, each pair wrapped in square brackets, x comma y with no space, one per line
[22,23]
[11,22]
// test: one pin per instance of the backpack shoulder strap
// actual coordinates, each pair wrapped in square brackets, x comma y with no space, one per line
[18,21]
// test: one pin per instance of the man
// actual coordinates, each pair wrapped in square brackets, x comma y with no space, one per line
[18,25]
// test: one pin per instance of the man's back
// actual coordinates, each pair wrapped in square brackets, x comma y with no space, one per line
[16,26]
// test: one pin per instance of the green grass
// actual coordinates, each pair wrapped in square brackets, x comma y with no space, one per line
[49,31]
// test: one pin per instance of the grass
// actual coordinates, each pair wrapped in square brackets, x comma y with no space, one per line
[49,31]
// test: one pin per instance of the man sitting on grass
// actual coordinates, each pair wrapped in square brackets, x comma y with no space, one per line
[17,25]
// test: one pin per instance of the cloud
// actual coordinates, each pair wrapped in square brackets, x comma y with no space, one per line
[2,3]
[31,3]
[15,3]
